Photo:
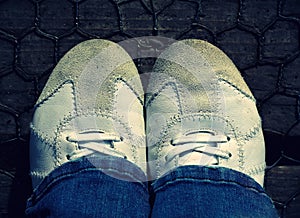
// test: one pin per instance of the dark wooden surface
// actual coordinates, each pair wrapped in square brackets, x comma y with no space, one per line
[282,184]
[261,37]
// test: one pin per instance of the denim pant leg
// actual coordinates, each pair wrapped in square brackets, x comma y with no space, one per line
[83,188]
[194,191]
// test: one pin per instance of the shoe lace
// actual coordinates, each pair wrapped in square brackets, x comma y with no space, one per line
[205,142]
[93,141]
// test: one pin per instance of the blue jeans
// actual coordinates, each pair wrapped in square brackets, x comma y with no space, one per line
[82,188]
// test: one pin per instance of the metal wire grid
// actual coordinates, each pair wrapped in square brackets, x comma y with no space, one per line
[262,38]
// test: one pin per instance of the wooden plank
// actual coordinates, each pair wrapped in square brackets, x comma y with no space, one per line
[282,183]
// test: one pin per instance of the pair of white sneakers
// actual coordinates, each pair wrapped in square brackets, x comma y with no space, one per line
[198,111]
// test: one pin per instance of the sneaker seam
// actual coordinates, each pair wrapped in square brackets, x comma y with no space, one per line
[52,93]
[154,95]
[257,169]
[249,96]
[131,89]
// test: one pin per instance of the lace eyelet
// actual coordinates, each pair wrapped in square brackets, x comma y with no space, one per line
[171,142]
[228,138]
[68,156]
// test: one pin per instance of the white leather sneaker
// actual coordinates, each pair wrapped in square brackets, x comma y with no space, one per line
[92,103]
[201,112]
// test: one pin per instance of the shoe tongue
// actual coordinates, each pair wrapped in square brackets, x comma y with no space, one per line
[201,136]
[91,122]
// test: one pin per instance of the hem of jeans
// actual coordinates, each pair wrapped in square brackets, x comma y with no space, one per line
[209,181]
[56,175]
[189,175]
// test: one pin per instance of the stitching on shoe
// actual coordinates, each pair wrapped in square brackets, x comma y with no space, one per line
[53,143]
[54,92]
[38,174]
[201,115]
[237,88]
[45,139]
[173,85]
[42,136]
[131,88]
[257,169]
[243,139]
[253,132]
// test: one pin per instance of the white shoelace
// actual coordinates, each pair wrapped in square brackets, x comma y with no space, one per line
[199,141]
[92,141]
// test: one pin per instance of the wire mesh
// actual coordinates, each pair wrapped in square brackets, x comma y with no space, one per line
[261,37]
